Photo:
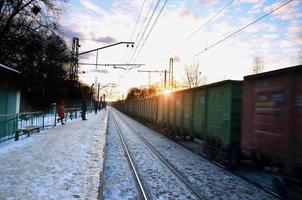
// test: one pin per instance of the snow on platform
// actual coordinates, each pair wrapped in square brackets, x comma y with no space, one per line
[60,163]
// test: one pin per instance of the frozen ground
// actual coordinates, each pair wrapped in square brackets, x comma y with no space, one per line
[118,177]
[158,180]
[60,163]
[210,180]
[262,178]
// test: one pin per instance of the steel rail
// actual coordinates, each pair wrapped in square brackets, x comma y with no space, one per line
[254,183]
[142,190]
[265,189]
[168,165]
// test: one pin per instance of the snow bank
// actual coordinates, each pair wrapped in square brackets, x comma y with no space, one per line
[60,163]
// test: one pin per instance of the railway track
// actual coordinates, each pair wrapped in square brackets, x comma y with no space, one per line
[138,178]
[217,164]
[256,184]
[129,157]
[266,189]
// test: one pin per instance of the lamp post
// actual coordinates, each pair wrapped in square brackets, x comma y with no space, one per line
[91,96]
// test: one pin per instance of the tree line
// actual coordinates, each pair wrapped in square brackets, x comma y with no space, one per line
[31,42]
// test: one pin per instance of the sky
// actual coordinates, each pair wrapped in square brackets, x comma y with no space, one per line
[277,38]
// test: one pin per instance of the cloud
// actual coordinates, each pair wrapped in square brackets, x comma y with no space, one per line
[257,8]
[102,71]
[106,40]
[295,29]
[115,21]
[70,33]
[288,12]
[251,1]
[86,56]
[207,3]
[187,13]
[88,4]
[176,58]
[262,28]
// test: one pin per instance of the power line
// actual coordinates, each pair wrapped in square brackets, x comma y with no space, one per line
[137,20]
[155,21]
[244,27]
[143,24]
[140,12]
[145,19]
[203,25]
[146,27]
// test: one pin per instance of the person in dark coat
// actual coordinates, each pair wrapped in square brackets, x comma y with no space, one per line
[61,113]
[84,109]
[96,105]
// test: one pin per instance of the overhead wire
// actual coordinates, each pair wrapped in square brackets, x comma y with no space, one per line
[155,21]
[244,27]
[145,29]
[137,20]
[141,28]
[145,19]
[196,31]
[203,25]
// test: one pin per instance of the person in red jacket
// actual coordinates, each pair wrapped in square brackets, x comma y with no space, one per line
[61,113]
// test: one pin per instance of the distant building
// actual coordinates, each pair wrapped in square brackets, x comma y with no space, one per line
[9,90]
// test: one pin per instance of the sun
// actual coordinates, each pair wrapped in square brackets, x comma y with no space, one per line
[166,91]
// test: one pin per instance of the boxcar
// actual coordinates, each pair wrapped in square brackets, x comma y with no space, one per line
[199,113]
[178,109]
[221,118]
[165,110]
[160,112]
[154,109]
[187,112]
[272,117]
[171,111]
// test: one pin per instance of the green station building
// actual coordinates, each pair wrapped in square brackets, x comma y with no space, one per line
[9,100]
[9,90]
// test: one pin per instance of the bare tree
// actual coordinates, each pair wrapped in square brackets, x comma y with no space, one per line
[258,65]
[193,76]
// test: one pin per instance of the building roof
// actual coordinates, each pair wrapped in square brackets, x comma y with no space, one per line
[9,69]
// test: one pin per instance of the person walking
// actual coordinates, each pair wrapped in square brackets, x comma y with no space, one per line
[83,109]
[61,113]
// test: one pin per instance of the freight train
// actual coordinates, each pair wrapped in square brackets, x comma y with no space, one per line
[259,118]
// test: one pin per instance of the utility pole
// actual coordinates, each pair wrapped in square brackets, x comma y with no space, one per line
[171,73]
[98,92]
[73,74]
[165,81]
[169,77]
[149,73]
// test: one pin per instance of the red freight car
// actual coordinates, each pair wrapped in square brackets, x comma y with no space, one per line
[272,117]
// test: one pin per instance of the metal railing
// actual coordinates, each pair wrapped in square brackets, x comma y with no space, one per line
[10,124]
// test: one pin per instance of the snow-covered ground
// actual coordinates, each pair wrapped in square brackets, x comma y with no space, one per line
[210,180]
[119,182]
[158,180]
[260,177]
[60,163]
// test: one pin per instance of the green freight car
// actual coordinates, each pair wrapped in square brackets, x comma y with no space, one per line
[211,112]
[222,119]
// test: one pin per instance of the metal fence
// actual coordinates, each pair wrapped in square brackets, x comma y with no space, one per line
[13,125]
